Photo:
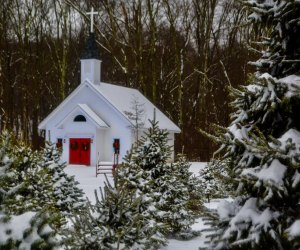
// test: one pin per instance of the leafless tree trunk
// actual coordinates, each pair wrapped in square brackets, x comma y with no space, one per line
[174,51]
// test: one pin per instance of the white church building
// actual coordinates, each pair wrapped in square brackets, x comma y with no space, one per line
[93,120]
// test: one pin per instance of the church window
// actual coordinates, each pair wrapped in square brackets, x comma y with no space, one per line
[79,118]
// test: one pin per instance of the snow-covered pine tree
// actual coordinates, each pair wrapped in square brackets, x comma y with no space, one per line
[28,230]
[114,222]
[163,187]
[208,182]
[262,144]
[6,180]
[144,165]
[20,229]
[173,200]
[66,193]
[215,181]
[35,190]
[154,152]
[180,169]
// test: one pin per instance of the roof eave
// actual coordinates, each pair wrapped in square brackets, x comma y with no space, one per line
[42,124]
[86,113]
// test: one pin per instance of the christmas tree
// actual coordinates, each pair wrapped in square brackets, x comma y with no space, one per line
[145,165]
[177,200]
[209,183]
[261,147]
[180,168]
[23,223]
[66,194]
[34,184]
[164,187]
[215,180]
[114,222]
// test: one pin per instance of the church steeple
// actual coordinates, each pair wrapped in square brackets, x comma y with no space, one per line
[90,58]
[91,50]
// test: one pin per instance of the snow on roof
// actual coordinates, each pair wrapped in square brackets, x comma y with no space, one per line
[89,113]
[122,97]
[93,115]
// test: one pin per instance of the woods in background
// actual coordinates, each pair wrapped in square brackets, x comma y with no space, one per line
[181,54]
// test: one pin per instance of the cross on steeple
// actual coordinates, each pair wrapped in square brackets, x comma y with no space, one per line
[92,13]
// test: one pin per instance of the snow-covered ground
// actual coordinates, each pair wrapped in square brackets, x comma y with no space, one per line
[86,176]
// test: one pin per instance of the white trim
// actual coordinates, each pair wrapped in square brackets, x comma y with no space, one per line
[93,115]
[86,83]
[89,113]
[78,136]
[112,105]
[43,123]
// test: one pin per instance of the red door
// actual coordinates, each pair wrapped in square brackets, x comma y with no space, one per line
[80,151]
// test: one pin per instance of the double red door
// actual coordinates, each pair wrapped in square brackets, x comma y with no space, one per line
[80,151]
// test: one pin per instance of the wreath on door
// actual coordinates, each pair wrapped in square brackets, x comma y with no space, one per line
[85,146]
[74,145]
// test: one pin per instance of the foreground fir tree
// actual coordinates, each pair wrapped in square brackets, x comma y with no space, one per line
[67,196]
[181,169]
[35,190]
[262,145]
[114,222]
[21,228]
[177,200]
[144,166]
[163,189]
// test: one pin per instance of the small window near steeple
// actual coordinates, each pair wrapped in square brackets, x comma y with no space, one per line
[79,118]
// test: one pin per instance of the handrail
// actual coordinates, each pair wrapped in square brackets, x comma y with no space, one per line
[107,167]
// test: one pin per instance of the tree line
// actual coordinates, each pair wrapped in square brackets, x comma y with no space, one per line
[181,54]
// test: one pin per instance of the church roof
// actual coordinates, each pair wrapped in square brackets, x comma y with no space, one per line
[122,99]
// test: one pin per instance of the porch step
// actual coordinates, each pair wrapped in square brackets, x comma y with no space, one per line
[105,167]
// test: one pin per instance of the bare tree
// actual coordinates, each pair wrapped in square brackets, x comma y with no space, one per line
[137,117]
[174,51]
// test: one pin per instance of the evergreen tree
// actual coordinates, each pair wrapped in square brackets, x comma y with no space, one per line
[114,222]
[20,228]
[34,184]
[140,174]
[163,186]
[215,183]
[180,168]
[262,145]
[174,196]
[66,194]
[208,182]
